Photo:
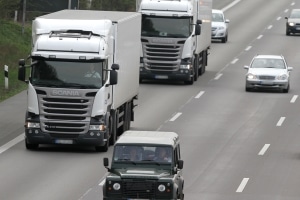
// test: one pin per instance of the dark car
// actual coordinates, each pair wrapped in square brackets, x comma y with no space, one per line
[293,22]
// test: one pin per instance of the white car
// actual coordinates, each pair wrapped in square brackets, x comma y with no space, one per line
[268,72]
[219,26]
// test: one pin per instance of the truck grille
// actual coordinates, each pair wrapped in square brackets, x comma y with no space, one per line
[143,189]
[65,115]
[162,57]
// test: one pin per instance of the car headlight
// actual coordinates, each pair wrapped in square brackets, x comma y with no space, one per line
[33,125]
[221,28]
[291,24]
[282,77]
[251,76]
[161,188]
[116,186]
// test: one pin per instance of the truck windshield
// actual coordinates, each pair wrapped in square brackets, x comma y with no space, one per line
[143,154]
[66,74]
[153,26]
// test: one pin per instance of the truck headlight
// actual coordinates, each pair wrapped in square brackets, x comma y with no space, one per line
[161,188]
[291,24]
[116,186]
[98,127]
[186,66]
[33,125]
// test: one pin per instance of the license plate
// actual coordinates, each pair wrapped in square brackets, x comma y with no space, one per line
[161,77]
[266,82]
[63,141]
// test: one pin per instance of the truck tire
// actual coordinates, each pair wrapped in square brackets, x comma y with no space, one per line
[113,128]
[203,62]
[190,82]
[102,148]
[196,67]
[31,146]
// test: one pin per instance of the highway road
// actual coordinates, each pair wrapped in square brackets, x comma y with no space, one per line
[236,145]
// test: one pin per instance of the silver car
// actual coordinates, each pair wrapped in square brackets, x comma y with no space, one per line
[219,26]
[268,72]
[293,22]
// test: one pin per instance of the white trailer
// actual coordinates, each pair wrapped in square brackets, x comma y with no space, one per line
[175,40]
[84,77]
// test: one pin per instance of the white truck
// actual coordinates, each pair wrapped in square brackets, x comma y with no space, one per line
[84,77]
[175,38]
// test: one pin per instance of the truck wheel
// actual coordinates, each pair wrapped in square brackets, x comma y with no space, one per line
[190,82]
[31,146]
[196,68]
[113,128]
[102,148]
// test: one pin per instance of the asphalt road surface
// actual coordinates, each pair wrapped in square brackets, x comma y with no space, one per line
[236,145]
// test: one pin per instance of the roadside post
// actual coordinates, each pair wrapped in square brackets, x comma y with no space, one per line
[6,76]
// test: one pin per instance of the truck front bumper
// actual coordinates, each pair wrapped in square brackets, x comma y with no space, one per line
[36,136]
[180,75]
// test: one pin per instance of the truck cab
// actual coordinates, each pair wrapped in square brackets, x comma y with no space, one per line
[145,165]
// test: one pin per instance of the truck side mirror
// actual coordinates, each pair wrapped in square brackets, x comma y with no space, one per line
[198,30]
[105,162]
[115,67]
[180,164]
[21,70]
[113,77]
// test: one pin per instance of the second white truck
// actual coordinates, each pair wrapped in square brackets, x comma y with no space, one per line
[175,39]
[84,77]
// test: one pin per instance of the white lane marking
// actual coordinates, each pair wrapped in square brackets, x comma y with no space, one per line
[11,143]
[286,10]
[278,18]
[102,182]
[248,48]
[293,100]
[269,27]
[264,149]
[218,76]
[281,120]
[293,3]
[242,185]
[230,5]
[234,61]
[199,94]
[175,117]
[259,37]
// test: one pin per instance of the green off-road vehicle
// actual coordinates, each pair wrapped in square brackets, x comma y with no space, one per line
[145,165]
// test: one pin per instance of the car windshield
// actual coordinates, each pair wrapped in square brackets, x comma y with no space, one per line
[268,63]
[217,17]
[295,14]
[143,154]
[68,74]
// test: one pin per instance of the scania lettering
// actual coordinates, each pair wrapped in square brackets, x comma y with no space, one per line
[84,77]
